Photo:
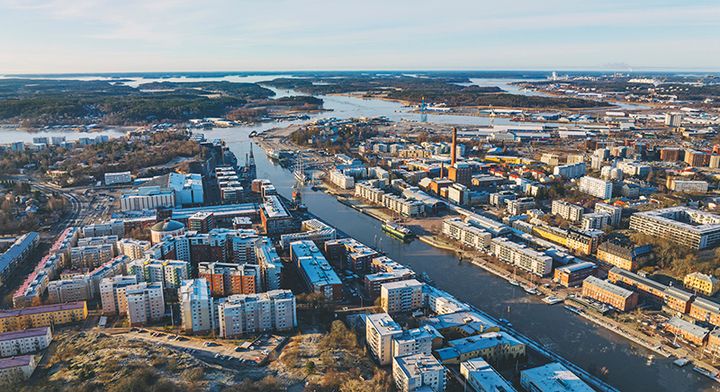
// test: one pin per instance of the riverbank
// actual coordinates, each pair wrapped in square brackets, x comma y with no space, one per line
[650,343]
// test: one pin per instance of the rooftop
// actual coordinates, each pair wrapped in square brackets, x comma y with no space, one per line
[383,323]
[413,365]
[26,333]
[480,373]
[41,309]
[12,362]
[607,286]
[553,377]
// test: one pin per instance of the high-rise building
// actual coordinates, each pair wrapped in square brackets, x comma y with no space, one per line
[196,306]
[228,278]
[567,210]
[270,264]
[380,329]
[418,372]
[401,296]
[145,302]
[112,293]
[596,187]
[170,273]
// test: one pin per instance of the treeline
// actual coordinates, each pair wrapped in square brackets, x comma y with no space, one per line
[49,102]
[433,90]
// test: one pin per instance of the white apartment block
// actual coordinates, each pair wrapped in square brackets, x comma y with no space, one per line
[415,341]
[380,329]
[466,233]
[369,192]
[614,212]
[196,306]
[91,256]
[688,186]
[134,249]
[145,302]
[414,372]
[246,314]
[113,227]
[24,342]
[77,288]
[567,211]
[341,180]
[402,205]
[596,187]
[571,170]
[112,294]
[15,369]
[521,256]
[692,228]
[595,221]
[270,264]
[441,302]
[401,296]
[483,378]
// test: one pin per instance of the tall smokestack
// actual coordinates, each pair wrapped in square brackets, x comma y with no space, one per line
[453,152]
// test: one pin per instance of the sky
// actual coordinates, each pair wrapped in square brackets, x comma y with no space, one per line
[77,36]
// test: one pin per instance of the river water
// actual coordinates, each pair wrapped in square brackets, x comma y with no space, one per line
[605,354]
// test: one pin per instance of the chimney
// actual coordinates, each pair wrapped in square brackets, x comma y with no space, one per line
[453,151]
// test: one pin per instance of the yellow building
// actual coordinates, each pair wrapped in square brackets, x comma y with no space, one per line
[558,236]
[701,283]
[42,316]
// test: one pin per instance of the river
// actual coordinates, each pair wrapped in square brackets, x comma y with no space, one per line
[605,354]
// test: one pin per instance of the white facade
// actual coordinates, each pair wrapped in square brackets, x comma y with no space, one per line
[416,371]
[196,306]
[596,187]
[270,264]
[380,329]
[24,342]
[147,198]
[466,233]
[245,314]
[145,302]
[341,180]
[401,296]
[521,256]
[112,294]
[571,170]
[567,210]
[614,212]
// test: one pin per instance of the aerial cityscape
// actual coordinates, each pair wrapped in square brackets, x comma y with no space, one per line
[401,197]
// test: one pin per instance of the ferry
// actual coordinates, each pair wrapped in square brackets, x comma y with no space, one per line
[552,300]
[398,231]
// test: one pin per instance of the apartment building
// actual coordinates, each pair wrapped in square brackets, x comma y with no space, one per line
[614,212]
[74,289]
[145,302]
[702,283]
[197,309]
[419,372]
[135,249]
[521,256]
[483,378]
[567,211]
[16,369]
[239,315]
[341,180]
[316,272]
[112,293]
[521,205]
[596,187]
[692,228]
[380,329]
[416,341]
[571,170]
[270,264]
[170,273]
[349,253]
[402,296]
[42,316]
[623,254]
[228,278]
[467,234]
[552,377]
[275,218]
[574,274]
[26,341]
[608,293]
[494,347]
[595,221]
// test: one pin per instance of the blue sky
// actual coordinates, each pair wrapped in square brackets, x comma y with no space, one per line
[219,35]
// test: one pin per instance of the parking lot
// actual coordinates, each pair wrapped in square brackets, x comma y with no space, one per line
[250,353]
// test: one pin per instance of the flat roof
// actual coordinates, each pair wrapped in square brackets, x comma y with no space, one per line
[383,323]
[274,208]
[476,343]
[479,372]
[12,362]
[553,377]
[705,222]
[401,284]
[26,333]
[688,327]
[413,365]
[41,309]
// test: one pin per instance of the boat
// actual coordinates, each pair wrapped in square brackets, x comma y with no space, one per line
[680,362]
[707,373]
[530,290]
[552,300]
[573,309]
[514,282]
[398,231]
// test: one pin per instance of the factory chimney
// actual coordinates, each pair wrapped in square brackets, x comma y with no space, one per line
[453,151]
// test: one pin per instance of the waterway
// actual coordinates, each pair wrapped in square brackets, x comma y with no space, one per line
[601,352]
